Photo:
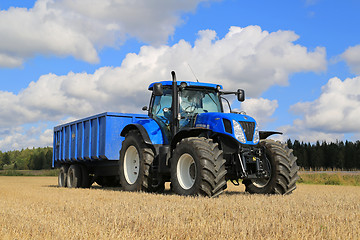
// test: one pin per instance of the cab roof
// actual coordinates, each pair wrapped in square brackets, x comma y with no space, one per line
[189,84]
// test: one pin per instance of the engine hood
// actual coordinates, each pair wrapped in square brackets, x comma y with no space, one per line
[224,123]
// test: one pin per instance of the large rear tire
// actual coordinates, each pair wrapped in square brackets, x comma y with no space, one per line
[198,168]
[283,168]
[136,160]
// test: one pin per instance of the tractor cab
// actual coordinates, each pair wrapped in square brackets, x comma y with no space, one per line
[198,106]
[193,99]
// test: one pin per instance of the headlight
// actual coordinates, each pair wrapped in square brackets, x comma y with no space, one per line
[256,135]
[239,134]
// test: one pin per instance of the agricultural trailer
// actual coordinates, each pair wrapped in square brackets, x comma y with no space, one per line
[185,138]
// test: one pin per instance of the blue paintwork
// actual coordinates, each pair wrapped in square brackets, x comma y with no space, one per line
[153,130]
[213,121]
[189,84]
[98,137]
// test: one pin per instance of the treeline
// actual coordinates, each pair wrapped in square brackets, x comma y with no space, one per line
[26,159]
[339,155]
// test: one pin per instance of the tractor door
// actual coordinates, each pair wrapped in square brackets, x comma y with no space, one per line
[160,111]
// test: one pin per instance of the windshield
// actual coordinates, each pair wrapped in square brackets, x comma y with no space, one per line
[192,102]
[195,101]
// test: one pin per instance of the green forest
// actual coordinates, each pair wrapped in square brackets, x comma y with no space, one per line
[26,159]
[329,156]
[338,155]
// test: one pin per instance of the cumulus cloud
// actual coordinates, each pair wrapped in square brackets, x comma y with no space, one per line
[20,138]
[247,58]
[335,113]
[352,58]
[80,28]
[261,109]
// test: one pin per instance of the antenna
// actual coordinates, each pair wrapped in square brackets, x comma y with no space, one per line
[193,73]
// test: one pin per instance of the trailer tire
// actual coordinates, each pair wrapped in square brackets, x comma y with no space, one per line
[74,178]
[136,159]
[62,179]
[198,168]
[283,170]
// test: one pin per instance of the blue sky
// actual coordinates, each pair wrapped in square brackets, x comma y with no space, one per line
[298,61]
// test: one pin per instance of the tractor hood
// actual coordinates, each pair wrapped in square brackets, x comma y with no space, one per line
[241,127]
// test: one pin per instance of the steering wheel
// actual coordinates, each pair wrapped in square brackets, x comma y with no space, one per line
[189,109]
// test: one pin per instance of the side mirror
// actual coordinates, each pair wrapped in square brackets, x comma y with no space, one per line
[240,95]
[145,108]
[158,89]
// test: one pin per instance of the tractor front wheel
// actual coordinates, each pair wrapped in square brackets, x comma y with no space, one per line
[198,168]
[283,170]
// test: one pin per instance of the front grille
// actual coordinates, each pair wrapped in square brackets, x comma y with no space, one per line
[248,128]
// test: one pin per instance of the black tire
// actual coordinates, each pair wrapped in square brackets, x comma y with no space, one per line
[136,159]
[74,178]
[198,168]
[62,179]
[283,171]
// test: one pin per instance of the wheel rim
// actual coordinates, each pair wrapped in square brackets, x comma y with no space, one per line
[186,171]
[131,165]
[260,183]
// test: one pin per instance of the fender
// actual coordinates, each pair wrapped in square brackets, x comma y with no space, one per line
[149,130]
[266,134]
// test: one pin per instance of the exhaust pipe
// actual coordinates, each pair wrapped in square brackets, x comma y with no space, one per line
[174,105]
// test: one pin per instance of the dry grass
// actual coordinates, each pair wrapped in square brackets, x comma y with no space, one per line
[34,208]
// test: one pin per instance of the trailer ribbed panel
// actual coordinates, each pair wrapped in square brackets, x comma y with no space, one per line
[80,130]
[91,139]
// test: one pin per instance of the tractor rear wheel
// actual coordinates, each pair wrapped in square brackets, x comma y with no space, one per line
[283,170]
[136,159]
[198,168]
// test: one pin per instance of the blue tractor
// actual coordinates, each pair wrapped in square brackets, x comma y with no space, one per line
[185,139]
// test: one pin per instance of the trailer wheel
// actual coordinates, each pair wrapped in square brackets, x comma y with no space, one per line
[136,159]
[62,179]
[74,178]
[198,168]
[283,168]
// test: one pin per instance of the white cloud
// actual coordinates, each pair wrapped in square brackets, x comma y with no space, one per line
[352,58]
[80,28]
[20,138]
[335,113]
[247,58]
[261,109]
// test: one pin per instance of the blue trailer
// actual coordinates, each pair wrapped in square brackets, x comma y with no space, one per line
[185,138]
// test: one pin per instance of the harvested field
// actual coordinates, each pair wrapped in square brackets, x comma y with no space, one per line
[34,208]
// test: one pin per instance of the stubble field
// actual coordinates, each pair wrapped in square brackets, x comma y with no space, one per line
[34,208]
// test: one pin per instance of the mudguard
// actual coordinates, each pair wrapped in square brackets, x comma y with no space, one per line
[266,134]
[149,129]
